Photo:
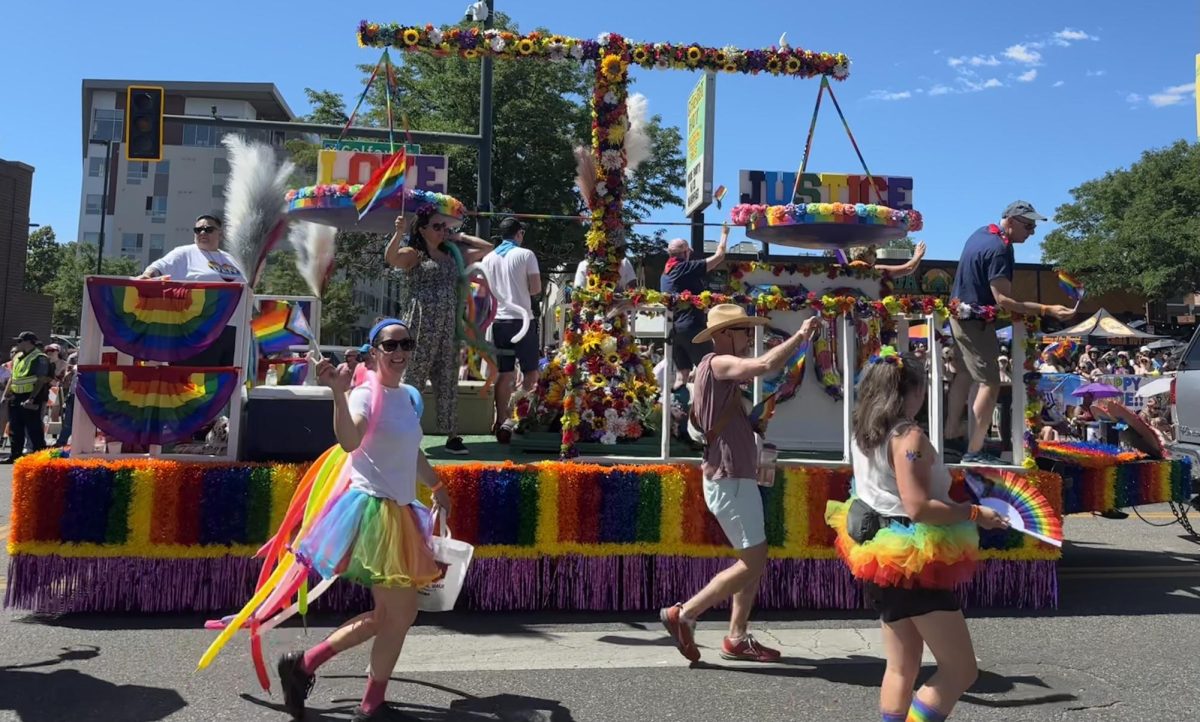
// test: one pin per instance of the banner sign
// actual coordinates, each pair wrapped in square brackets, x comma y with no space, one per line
[1058,390]
[424,172]
[774,188]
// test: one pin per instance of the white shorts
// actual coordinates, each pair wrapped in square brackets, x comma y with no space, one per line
[737,504]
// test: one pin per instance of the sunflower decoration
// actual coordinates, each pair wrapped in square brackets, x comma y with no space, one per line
[773,65]
[793,65]
[613,359]
[470,53]
[524,46]
[597,382]
[591,341]
[694,53]
[731,67]
[612,67]
[641,55]
[411,36]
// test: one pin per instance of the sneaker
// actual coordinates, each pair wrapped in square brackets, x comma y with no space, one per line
[382,712]
[748,649]
[503,432]
[981,458]
[681,630]
[455,445]
[296,683]
[9,460]
[1113,514]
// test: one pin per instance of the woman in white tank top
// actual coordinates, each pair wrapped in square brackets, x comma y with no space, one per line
[908,542]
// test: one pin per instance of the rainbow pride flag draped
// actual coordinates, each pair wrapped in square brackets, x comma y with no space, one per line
[385,183]
[161,320]
[145,405]
[280,325]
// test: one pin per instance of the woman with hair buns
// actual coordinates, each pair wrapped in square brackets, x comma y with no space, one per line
[437,273]
[908,542]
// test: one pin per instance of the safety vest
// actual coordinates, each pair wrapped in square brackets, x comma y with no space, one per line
[23,379]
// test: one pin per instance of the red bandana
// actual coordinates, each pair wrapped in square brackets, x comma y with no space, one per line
[672,262]
[996,230]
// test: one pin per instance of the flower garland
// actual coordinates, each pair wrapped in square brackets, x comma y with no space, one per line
[471,43]
[754,215]
[1033,400]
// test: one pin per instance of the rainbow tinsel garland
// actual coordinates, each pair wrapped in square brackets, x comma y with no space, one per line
[341,195]
[1125,485]
[1090,454]
[794,214]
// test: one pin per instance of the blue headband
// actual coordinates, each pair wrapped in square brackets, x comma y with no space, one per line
[377,328]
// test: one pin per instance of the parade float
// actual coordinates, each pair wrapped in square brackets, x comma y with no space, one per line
[127,526]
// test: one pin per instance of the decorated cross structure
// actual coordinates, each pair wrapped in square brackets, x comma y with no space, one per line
[593,341]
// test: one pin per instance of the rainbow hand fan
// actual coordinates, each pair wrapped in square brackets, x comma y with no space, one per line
[1027,509]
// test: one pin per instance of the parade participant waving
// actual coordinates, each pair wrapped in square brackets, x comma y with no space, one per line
[376,534]
[901,534]
[202,261]
[731,465]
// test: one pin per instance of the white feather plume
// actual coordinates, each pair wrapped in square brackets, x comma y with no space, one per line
[254,205]
[585,175]
[314,246]
[637,138]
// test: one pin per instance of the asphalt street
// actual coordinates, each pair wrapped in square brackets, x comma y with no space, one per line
[1120,647]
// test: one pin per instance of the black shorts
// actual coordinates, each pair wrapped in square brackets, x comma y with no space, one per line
[509,354]
[896,603]
[685,354]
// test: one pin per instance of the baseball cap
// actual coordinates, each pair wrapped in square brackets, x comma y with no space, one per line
[1023,209]
[29,336]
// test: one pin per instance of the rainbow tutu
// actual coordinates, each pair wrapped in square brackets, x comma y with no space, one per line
[372,541]
[927,556]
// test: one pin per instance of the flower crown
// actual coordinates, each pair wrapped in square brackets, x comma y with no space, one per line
[888,355]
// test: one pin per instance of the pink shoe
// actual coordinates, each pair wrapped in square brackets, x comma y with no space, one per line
[748,649]
[681,630]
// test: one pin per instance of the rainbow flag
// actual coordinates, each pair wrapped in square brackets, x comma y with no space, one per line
[1071,285]
[385,183]
[279,326]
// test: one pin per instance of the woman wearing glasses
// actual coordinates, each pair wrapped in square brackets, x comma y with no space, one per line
[202,261]
[436,268]
[376,533]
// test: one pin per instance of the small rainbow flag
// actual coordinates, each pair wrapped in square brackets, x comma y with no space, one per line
[385,183]
[279,326]
[719,195]
[1071,285]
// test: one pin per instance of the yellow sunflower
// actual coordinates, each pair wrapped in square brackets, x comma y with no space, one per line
[470,53]
[613,359]
[597,382]
[616,134]
[773,65]
[524,46]
[640,54]
[731,67]
[411,36]
[612,67]
[694,54]
[793,65]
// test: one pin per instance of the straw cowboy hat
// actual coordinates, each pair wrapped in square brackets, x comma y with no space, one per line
[727,315]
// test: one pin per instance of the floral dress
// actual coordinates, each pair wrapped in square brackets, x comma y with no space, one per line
[432,311]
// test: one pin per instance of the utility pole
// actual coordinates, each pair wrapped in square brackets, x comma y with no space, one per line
[103,201]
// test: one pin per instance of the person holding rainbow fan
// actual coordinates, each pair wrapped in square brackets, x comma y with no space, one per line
[908,542]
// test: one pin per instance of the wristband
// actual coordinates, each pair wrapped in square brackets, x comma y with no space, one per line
[1042,309]
[974,512]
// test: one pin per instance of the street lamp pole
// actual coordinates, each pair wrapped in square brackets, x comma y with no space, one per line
[103,201]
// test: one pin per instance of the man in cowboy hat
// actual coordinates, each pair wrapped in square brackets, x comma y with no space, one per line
[731,476]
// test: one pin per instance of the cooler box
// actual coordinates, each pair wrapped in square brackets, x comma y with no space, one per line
[286,423]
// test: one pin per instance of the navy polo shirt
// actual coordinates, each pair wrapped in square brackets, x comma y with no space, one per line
[686,276]
[986,256]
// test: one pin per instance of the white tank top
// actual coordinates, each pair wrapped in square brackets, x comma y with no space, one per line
[875,480]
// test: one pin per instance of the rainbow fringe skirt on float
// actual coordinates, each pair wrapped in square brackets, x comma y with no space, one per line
[919,555]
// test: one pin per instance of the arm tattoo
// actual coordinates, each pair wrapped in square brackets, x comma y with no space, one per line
[912,454]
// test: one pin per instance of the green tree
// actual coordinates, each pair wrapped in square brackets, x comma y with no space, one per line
[655,184]
[339,313]
[77,260]
[1136,229]
[906,244]
[42,257]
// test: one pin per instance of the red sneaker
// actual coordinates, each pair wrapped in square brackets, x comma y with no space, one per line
[681,630]
[748,649]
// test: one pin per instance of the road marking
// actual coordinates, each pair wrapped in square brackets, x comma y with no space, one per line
[624,649]
[1176,571]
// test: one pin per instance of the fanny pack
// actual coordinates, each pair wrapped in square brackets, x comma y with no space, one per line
[863,522]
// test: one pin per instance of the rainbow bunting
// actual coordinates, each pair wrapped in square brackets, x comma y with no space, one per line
[385,183]
[1027,509]
[1071,285]
[161,320]
[779,388]
[145,405]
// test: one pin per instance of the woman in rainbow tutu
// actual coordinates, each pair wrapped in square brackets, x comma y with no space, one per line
[376,533]
[908,542]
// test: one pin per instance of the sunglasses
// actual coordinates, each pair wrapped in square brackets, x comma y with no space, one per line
[204,229]
[1029,225]
[390,346]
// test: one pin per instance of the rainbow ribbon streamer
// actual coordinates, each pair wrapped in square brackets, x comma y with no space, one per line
[279,326]
[779,388]
[143,405]
[385,183]
[1071,285]
[161,320]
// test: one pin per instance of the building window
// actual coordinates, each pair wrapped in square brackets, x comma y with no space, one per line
[218,191]
[108,124]
[131,243]
[91,238]
[95,167]
[220,166]
[138,171]
[156,208]
[94,203]
[163,167]
[203,136]
[157,241]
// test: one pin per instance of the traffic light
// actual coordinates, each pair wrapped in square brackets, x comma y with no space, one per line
[143,123]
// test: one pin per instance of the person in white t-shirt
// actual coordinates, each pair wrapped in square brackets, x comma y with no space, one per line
[202,261]
[628,279]
[515,279]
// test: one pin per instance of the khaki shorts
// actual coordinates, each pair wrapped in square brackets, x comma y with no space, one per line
[977,350]
[738,506]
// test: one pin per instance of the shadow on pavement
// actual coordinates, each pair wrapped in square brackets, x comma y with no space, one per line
[68,694]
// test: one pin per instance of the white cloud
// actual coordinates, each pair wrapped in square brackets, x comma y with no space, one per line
[888,95]
[1028,75]
[1171,96]
[955,62]
[1066,36]
[993,83]
[1058,84]
[1023,53]
[1133,98]
[940,89]
[1095,73]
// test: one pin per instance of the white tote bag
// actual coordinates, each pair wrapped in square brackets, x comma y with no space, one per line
[453,557]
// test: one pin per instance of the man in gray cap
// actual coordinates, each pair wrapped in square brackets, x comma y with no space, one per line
[984,278]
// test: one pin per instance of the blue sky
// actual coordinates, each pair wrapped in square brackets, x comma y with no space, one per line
[979,103]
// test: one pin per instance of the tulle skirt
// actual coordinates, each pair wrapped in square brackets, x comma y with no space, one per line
[372,541]
[925,556]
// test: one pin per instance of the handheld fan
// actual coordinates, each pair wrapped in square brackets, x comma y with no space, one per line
[1026,508]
